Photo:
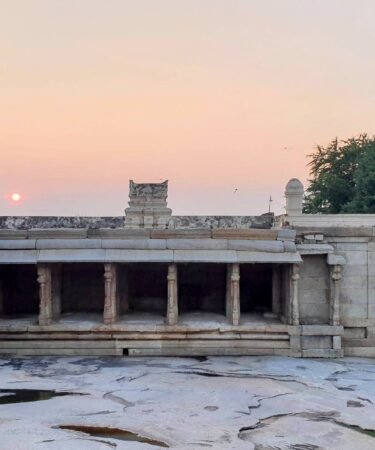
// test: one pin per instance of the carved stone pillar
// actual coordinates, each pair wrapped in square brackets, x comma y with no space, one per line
[1,297]
[294,304]
[45,294]
[276,289]
[335,289]
[111,302]
[233,294]
[56,291]
[172,307]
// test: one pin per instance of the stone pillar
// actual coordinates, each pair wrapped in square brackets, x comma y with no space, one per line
[335,290]
[233,294]
[45,294]
[293,295]
[228,302]
[56,291]
[172,307]
[1,295]
[276,289]
[111,302]
[294,197]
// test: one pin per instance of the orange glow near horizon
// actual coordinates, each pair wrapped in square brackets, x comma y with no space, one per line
[213,96]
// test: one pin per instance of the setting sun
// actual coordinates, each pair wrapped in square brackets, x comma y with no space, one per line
[16,197]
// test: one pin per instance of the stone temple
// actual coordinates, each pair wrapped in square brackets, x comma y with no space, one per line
[151,283]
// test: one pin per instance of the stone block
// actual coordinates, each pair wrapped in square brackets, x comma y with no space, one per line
[334,259]
[289,246]
[316,342]
[13,234]
[135,244]
[181,234]
[322,330]
[244,234]
[336,342]
[58,233]
[295,342]
[354,258]
[197,244]
[264,257]
[119,233]
[354,296]
[17,244]
[354,333]
[18,256]
[322,353]
[255,245]
[318,297]
[214,256]
[118,255]
[349,283]
[57,243]
[314,249]
[286,234]
[367,352]
[70,255]
[353,311]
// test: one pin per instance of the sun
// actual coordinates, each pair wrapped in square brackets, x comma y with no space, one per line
[16,197]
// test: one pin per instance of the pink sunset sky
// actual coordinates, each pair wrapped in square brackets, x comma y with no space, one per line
[213,95]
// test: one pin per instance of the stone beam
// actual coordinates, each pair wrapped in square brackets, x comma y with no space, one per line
[172,307]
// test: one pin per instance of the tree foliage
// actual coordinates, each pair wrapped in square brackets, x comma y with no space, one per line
[343,177]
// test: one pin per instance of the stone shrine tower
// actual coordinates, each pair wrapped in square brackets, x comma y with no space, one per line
[147,205]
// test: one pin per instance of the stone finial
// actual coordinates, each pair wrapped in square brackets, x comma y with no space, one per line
[147,205]
[294,197]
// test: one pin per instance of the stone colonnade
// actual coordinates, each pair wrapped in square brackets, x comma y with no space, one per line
[284,293]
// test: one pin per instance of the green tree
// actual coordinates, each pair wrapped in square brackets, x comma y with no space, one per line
[364,179]
[338,177]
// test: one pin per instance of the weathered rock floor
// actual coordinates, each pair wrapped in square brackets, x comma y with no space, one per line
[262,403]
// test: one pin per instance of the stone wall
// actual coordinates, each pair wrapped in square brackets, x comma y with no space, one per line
[314,290]
[93,223]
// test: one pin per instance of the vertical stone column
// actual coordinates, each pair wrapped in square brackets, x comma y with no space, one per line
[172,307]
[233,294]
[228,302]
[276,289]
[1,296]
[293,293]
[45,294]
[335,290]
[111,296]
[56,291]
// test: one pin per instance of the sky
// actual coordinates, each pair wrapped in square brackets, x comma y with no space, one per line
[224,98]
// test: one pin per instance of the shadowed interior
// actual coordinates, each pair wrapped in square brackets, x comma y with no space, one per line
[20,290]
[143,288]
[202,287]
[256,287]
[82,287]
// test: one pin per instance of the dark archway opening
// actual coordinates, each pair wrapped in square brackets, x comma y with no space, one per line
[143,289]
[82,288]
[256,288]
[202,288]
[19,290]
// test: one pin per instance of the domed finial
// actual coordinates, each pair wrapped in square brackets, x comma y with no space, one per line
[294,197]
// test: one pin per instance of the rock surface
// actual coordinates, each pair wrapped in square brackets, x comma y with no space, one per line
[262,403]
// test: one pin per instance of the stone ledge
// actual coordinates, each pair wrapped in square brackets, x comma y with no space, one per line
[322,330]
